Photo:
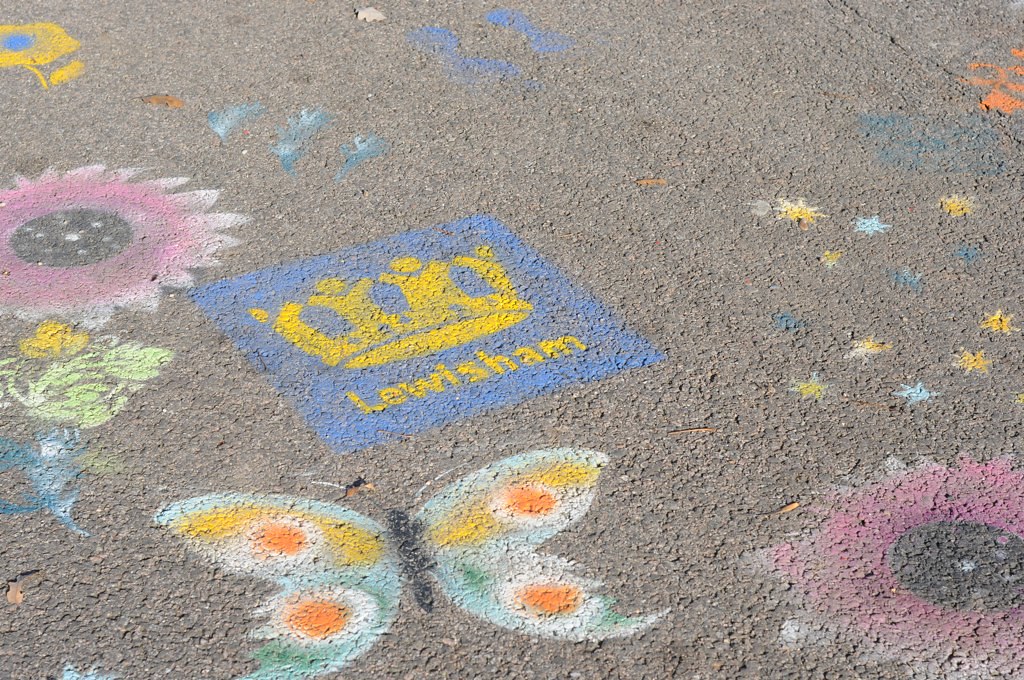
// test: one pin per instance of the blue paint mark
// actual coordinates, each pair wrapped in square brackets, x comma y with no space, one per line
[968,253]
[294,139]
[785,321]
[224,122]
[481,271]
[871,225]
[907,279]
[361,149]
[19,42]
[540,41]
[72,673]
[466,70]
[51,469]
[915,394]
[968,144]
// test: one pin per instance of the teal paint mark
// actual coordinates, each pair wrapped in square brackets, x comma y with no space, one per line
[968,253]
[361,149]
[871,225]
[51,469]
[444,44]
[540,41]
[915,394]
[293,140]
[964,144]
[785,321]
[224,122]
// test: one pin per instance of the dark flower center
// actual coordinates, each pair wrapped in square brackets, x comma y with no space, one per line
[961,565]
[72,238]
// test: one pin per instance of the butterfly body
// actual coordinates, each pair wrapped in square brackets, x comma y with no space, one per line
[341,574]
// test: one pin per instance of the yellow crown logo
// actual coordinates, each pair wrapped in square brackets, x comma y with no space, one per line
[440,314]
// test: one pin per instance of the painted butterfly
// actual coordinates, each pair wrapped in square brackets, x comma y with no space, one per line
[341,573]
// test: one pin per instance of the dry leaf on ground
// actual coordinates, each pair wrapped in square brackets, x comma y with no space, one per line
[167,100]
[651,182]
[370,14]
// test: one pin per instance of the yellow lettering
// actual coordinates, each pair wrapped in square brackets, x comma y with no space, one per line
[421,386]
[473,370]
[529,356]
[497,363]
[393,396]
[363,406]
[555,348]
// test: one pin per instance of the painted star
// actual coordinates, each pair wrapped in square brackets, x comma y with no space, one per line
[957,206]
[974,362]
[999,323]
[915,394]
[809,389]
[969,254]
[871,225]
[907,279]
[798,211]
[830,257]
[868,347]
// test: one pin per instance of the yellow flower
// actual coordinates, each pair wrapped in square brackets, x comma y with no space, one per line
[798,211]
[830,257]
[31,45]
[809,389]
[53,340]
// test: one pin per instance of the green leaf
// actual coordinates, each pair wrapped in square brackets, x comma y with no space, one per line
[134,362]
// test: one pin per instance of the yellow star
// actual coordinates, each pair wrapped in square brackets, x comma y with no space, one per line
[798,211]
[974,362]
[957,206]
[830,257]
[809,389]
[868,346]
[999,323]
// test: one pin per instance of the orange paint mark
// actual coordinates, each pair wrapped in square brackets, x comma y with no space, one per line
[318,619]
[280,539]
[1000,98]
[529,500]
[551,599]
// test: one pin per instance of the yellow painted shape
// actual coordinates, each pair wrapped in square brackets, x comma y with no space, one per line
[810,389]
[566,474]
[260,315]
[471,526]
[975,362]
[999,323]
[797,211]
[52,340]
[1019,399]
[422,344]
[352,546]
[66,73]
[957,206]
[870,346]
[50,42]
[830,257]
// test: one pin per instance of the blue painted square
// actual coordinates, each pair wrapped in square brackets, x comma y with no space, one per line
[418,330]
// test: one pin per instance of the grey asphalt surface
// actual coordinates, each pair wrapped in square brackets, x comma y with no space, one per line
[731,103]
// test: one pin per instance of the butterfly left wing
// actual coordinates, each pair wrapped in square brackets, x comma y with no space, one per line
[484,531]
[339,579]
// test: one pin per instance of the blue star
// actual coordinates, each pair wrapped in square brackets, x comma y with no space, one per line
[907,279]
[968,253]
[916,393]
[785,321]
[871,225]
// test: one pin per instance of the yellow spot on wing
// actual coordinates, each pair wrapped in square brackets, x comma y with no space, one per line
[350,545]
[565,474]
[471,526]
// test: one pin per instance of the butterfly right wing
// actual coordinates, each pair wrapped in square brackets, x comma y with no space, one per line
[484,531]
[340,582]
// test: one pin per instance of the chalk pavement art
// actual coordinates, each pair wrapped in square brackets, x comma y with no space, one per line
[419,330]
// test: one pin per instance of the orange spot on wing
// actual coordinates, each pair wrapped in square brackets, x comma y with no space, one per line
[279,538]
[550,599]
[318,619]
[530,500]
